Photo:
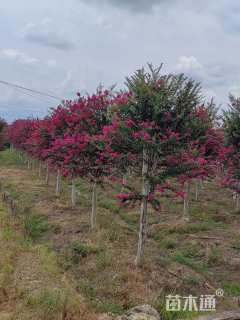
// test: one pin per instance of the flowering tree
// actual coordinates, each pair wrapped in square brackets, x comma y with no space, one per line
[77,146]
[153,127]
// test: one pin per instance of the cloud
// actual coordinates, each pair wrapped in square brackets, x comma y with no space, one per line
[18,56]
[188,63]
[46,34]
[133,5]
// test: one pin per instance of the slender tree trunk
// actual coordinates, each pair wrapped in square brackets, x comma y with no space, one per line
[40,170]
[143,211]
[124,182]
[186,203]
[237,201]
[58,183]
[73,194]
[94,206]
[196,190]
[47,175]
[28,164]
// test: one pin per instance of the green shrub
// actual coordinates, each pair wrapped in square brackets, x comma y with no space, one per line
[34,226]
[77,251]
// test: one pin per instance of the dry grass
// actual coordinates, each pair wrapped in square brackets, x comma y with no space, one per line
[184,258]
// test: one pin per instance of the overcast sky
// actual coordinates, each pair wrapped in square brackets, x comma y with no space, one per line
[62,47]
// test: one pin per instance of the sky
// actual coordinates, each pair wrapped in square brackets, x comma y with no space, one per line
[62,47]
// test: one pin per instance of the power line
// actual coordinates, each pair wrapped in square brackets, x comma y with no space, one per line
[30,90]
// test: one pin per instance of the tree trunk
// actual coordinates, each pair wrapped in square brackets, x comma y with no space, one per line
[58,183]
[186,203]
[28,164]
[143,211]
[47,175]
[40,170]
[124,182]
[196,190]
[94,206]
[237,201]
[73,194]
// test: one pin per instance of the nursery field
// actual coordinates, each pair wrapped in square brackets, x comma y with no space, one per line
[54,266]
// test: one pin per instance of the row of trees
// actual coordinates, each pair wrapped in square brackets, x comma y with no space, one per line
[157,129]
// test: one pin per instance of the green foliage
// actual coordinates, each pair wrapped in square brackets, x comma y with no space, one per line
[49,301]
[109,205]
[180,257]
[77,251]
[9,158]
[191,228]
[232,288]
[168,244]
[34,226]
[88,289]
[231,122]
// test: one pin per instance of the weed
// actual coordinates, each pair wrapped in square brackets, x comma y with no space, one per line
[215,257]
[48,259]
[191,228]
[87,289]
[109,205]
[34,226]
[8,157]
[77,251]
[192,281]
[232,288]
[113,232]
[181,258]
[49,301]
[103,259]
[168,244]
[192,252]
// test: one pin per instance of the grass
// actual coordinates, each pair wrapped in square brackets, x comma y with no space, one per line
[109,205]
[10,158]
[51,298]
[168,244]
[49,301]
[232,288]
[191,228]
[192,281]
[103,260]
[75,253]
[100,263]
[181,258]
[34,226]
[215,257]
